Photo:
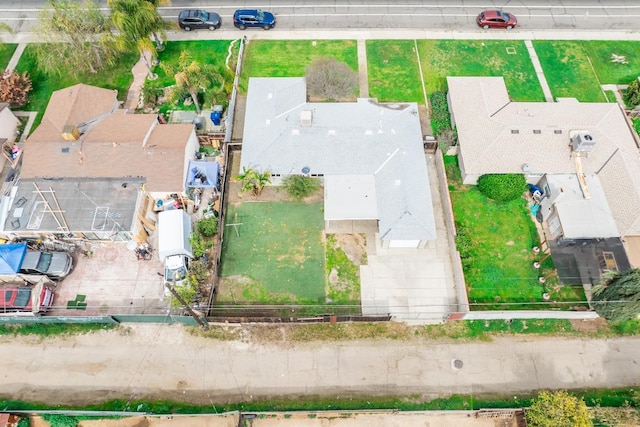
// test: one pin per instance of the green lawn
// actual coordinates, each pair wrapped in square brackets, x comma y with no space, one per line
[510,59]
[212,52]
[6,52]
[498,271]
[568,70]
[393,71]
[289,58]
[280,249]
[118,77]
[600,52]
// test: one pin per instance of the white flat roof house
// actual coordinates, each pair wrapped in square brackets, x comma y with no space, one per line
[369,154]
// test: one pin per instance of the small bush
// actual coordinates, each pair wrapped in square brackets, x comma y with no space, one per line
[440,117]
[207,226]
[298,186]
[633,93]
[15,88]
[199,245]
[464,245]
[502,187]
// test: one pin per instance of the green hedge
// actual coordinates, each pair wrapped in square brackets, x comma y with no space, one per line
[502,187]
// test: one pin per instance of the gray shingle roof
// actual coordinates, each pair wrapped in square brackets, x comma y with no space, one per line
[355,138]
[499,136]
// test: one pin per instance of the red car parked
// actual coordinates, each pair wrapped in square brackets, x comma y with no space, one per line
[496,19]
[19,298]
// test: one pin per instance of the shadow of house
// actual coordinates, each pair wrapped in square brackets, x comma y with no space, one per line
[584,157]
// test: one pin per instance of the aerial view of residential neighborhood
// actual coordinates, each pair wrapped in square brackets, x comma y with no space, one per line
[334,213]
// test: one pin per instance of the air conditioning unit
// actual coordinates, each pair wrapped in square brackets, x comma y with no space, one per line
[582,141]
[305,118]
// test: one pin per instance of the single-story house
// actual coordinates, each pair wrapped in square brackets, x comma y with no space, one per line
[369,155]
[583,155]
[94,171]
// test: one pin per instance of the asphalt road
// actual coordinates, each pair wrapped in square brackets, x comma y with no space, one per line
[21,15]
[157,361]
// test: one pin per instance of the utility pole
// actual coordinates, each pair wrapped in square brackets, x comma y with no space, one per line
[193,314]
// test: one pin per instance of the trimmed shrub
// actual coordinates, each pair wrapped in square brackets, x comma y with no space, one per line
[502,187]
[633,93]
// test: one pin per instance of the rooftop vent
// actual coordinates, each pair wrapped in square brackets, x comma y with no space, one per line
[557,131]
[515,131]
[305,118]
[537,131]
[582,141]
[70,133]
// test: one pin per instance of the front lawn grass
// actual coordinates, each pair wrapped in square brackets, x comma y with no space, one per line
[118,77]
[279,248]
[568,70]
[289,58]
[499,271]
[509,59]
[393,71]
[212,52]
[600,53]
[6,52]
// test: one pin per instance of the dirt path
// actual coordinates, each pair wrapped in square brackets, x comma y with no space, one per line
[168,362]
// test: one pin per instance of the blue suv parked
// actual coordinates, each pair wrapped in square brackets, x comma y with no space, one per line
[247,18]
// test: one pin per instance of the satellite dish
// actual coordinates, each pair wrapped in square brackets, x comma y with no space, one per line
[306,170]
[526,167]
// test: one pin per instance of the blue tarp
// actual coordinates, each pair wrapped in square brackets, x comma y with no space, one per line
[202,174]
[11,257]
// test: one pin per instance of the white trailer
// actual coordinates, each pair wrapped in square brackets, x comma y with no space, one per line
[174,247]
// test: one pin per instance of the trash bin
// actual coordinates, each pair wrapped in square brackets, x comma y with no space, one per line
[216,114]
[198,123]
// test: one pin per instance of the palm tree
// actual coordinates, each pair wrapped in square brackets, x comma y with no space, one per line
[192,78]
[156,4]
[137,21]
[259,181]
[246,176]
[252,180]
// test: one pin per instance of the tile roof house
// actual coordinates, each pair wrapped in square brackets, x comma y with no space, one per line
[584,155]
[369,154]
[87,166]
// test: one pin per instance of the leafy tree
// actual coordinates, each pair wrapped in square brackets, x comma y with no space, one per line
[329,79]
[15,88]
[299,186]
[76,38]
[166,25]
[557,409]
[137,22]
[253,181]
[617,298]
[192,78]
[633,92]
[502,187]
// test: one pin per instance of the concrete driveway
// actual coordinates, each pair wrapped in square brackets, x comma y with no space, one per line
[111,281]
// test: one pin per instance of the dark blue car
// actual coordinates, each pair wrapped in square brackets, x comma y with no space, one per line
[247,18]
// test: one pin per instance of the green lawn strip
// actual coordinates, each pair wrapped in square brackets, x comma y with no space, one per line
[118,77]
[53,329]
[636,125]
[6,52]
[279,246]
[212,52]
[344,402]
[289,58]
[500,273]
[609,72]
[347,286]
[568,70]
[509,59]
[610,95]
[393,73]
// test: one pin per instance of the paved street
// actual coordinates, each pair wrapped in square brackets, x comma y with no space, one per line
[165,362]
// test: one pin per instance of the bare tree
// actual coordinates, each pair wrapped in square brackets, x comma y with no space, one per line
[330,79]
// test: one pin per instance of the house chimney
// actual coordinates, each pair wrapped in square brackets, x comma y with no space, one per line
[70,133]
